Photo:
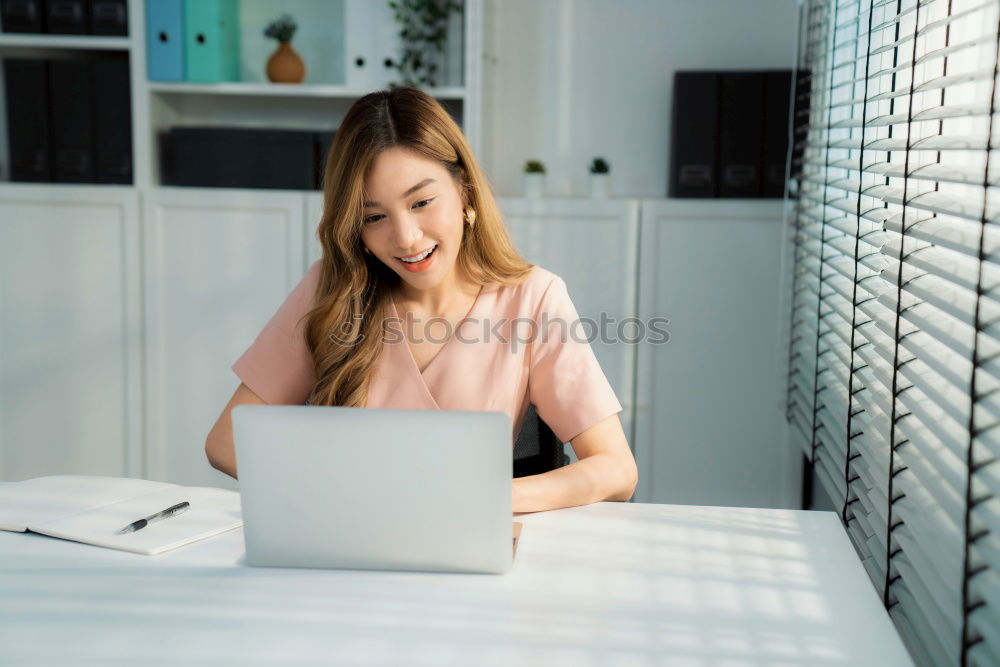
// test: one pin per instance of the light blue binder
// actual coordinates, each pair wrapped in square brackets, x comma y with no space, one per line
[212,40]
[165,40]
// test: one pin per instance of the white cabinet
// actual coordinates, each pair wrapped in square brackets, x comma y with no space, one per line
[106,368]
[709,422]
[593,246]
[217,266]
[70,362]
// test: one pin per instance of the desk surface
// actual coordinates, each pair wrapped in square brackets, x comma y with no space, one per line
[610,583]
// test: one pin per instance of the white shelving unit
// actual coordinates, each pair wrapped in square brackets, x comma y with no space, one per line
[367,33]
[125,304]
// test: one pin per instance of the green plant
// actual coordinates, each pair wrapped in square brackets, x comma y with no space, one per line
[423,30]
[599,166]
[281,29]
[534,167]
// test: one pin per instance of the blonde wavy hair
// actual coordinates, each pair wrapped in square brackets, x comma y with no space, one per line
[344,328]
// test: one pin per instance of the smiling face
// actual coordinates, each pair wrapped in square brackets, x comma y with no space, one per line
[413,205]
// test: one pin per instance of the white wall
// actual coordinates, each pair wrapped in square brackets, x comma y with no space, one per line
[565,80]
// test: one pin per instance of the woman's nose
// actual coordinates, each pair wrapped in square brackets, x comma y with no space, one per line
[407,232]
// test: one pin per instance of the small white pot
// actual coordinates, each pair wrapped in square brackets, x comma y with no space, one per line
[600,186]
[534,185]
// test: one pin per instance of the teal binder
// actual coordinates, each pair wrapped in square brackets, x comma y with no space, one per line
[165,40]
[212,40]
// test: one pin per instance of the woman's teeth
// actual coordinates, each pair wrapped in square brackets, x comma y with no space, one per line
[418,258]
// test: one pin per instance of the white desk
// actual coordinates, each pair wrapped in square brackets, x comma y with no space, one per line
[606,584]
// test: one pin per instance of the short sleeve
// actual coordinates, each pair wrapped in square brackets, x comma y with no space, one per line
[565,382]
[278,366]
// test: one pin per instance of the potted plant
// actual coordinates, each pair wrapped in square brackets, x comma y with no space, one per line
[600,179]
[284,65]
[423,30]
[534,179]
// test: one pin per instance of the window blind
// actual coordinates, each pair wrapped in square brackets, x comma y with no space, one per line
[894,361]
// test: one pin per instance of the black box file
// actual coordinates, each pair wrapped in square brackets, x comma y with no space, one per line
[741,117]
[322,140]
[71,104]
[22,15]
[112,121]
[239,158]
[777,100]
[27,95]
[730,134]
[694,144]
[67,17]
[109,17]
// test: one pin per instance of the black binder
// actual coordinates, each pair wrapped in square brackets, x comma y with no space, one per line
[22,15]
[321,146]
[71,103]
[112,121]
[28,119]
[694,142]
[777,92]
[741,111]
[240,158]
[66,17]
[109,17]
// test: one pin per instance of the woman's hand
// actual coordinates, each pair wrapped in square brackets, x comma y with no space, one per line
[519,495]
[606,470]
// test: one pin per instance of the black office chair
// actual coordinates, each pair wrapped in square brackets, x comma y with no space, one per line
[537,449]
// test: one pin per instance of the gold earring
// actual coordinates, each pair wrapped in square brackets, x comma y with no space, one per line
[470,216]
[367,251]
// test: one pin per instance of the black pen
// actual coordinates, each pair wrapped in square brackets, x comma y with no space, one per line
[165,514]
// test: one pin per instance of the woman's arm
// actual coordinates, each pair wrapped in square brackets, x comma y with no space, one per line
[605,470]
[219,443]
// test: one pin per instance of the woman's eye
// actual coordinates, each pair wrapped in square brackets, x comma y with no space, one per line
[375,218]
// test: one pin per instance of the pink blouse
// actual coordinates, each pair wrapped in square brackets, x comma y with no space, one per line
[517,345]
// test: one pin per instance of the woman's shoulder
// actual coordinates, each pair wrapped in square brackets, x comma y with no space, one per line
[541,276]
[531,290]
[541,279]
[537,279]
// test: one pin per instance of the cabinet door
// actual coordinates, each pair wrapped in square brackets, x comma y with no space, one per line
[70,324]
[593,246]
[710,409]
[218,263]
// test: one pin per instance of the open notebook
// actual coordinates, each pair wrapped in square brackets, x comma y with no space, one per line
[91,509]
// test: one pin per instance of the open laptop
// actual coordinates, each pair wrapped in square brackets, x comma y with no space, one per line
[375,488]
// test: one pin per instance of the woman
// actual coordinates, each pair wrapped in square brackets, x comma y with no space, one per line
[421,301]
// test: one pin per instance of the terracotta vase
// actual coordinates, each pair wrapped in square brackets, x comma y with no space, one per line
[285,65]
